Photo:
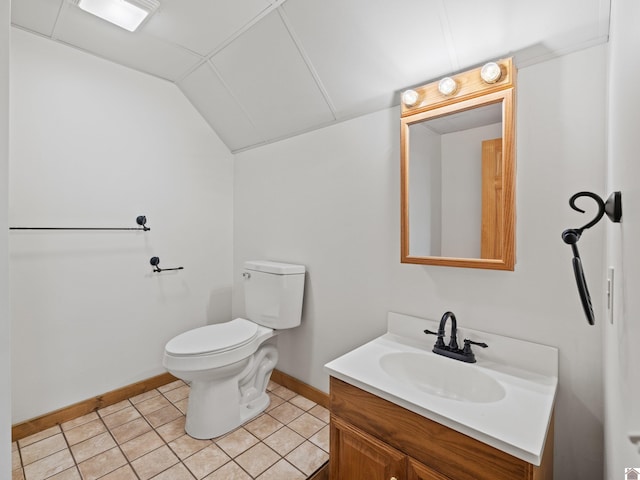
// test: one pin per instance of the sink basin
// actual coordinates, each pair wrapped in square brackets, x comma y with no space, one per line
[442,376]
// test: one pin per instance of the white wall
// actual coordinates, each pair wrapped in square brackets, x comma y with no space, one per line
[622,338]
[462,190]
[425,199]
[97,144]
[5,323]
[329,199]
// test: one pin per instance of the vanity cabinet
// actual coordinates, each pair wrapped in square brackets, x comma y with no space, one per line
[374,439]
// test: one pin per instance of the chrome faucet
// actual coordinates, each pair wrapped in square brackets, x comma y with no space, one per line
[452,350]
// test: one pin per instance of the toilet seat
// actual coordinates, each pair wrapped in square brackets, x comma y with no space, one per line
[213,339]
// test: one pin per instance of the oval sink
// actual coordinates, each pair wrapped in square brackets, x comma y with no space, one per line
[442,376]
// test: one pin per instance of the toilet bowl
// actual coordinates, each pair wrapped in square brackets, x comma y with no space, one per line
[228,365]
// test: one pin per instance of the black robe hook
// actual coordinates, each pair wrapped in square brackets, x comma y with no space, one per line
[613,209]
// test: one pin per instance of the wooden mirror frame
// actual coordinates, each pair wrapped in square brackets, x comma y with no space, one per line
[472,92]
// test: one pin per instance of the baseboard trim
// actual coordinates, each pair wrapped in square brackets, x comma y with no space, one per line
[301,388]
[38,424]
[42,422]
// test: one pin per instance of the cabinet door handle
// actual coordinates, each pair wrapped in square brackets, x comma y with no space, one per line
[393,478]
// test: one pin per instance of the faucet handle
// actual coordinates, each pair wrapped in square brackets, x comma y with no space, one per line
[467,346]
[439,341]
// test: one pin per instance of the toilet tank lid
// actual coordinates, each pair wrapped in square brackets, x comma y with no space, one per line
[274,267]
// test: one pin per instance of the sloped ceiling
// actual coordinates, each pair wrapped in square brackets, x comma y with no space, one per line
[263,70]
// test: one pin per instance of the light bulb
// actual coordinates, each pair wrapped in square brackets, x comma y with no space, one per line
[491,72]
[410,97]
[447,86]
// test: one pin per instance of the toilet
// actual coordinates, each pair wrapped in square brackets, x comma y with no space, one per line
[228,365]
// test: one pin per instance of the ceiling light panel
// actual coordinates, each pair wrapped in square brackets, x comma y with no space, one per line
[127,14]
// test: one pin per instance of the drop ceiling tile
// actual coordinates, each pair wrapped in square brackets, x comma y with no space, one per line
[35,15]
[482,31]
[210,97]
[135,50]
[365,51]
[268,76]
[202,25]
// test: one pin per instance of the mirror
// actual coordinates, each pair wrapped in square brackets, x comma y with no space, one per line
[458,171]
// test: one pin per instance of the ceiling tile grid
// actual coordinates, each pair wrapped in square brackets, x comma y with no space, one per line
[262,70]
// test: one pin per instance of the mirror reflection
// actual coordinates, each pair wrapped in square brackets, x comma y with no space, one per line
[455,165]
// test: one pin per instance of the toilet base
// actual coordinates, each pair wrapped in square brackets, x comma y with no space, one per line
[235,395]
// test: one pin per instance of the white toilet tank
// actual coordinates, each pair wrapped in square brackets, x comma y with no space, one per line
[273,293]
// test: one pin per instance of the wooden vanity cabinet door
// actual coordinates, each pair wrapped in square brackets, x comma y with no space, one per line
[356,455]
[419,471]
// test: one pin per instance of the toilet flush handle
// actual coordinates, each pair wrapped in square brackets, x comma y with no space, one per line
[246,275]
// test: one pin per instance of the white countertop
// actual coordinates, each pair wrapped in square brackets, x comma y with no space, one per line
[517,423]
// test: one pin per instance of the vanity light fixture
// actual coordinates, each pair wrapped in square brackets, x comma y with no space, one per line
[447,86]
[410,97]
[491,72]
[127,14]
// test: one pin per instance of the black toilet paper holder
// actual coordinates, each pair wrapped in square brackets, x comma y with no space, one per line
[155,261]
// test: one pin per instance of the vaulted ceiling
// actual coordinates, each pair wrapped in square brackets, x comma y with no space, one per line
[263,70]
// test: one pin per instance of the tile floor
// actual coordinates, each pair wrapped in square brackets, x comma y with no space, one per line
[143,438]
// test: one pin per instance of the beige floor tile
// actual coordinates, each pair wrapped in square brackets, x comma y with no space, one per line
[182,405]
[177,472]
[36,437]
[152,404]
[171,386]
[49,466]
[76,422]
[16,462]
[102,464]
[163,416]
[274,401]
[154,462]
[17,474]
[94,438]
[177,394]
[43,448]
[302,402]
[286,412]
[321,439]
[123,473]
[257,459]
[206,461]
[144,396]
[307,458]
[93,446]
[69,474]
[230,471]
[116,407]
[282,470]
[271,385]
[237,442]
[85,431]
[320,412]
[263,426]
[306,425]
[185,446]
[172,430]
[141,445]
[284,392]
[133,429]
[284,441]
[121,417]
